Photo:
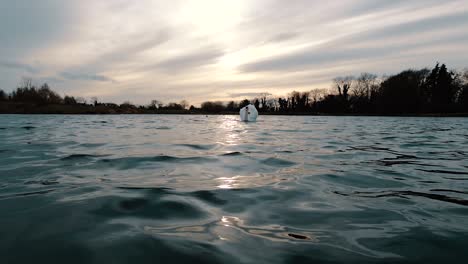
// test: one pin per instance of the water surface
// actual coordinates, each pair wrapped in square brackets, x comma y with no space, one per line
[196,189]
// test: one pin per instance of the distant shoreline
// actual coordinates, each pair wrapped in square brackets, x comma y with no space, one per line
[188,112]
[420,93]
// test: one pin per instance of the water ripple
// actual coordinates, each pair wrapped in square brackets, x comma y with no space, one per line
[168,188]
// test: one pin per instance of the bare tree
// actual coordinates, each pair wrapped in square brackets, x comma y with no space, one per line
[94,100]
[26,82]
[343,84]
[318,94]
[3,95]
[184,104]
[272,104]
[263,100]
[364,85]
[80,100]
[465,76]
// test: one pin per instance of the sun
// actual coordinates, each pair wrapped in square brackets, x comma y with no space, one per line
[213,16]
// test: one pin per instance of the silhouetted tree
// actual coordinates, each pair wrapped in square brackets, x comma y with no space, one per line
[271,105]
[26,83]
[154,105]
[243,103]
[94,100]
[330,104]
[184,104]
[3,96]
[430,84]
[441,88]
[343,84]
[80,100]
[317,95]
[127,105]
[173,106]
[27,92]
[463,94]
[401,93]
[212,107]
[283,104]
[257,104]
[364,91]
[48,96]
[445,91]
[232,106]
[364,85]
[69,100]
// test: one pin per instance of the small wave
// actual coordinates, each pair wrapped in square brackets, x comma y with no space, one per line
[164,190]
[235,153]
[26,194]
[222,230]
[287,151]
[163,128]
[445,172]
[278,162]
[148,207]
[210,197]
[197,146]
[456,179]
[403,159]
[405,194]
[388,163]
[43,182]
[445,190]
[299,236]
[92,145]
[28,127]
[441,129]
[133,162]
[369,148]
[80,156]
[133,204]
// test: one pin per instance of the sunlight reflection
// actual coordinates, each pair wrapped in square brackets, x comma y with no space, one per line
[227,183]
[252,181]
[227,128]
[230,221]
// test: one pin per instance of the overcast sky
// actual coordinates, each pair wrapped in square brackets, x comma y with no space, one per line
[199,50]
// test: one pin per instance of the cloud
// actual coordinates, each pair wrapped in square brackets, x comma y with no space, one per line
[19,66]
[85,77]
[284,36]
[375,43]
[237,95]
[194,59]
[28,25]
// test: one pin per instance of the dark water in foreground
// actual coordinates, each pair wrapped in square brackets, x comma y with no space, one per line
[196,189]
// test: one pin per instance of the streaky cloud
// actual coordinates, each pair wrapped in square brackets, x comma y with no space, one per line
[196,59]
[236,95]
[85,77]
[19,66]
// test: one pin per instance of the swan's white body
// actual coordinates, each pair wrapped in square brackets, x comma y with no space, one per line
[248,113]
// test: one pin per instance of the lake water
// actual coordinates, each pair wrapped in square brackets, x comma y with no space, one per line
[196,189]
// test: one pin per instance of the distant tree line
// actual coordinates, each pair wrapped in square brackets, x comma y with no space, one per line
[409,92]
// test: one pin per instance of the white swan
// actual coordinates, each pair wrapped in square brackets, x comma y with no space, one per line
[248,113]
